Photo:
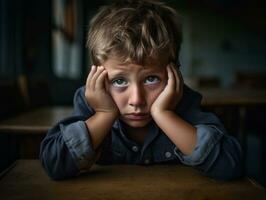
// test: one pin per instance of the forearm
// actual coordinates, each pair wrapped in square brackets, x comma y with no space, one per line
[99,126]
[180,132]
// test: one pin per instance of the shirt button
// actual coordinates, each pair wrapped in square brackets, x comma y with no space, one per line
[147,161]
[135,149]
[168,154]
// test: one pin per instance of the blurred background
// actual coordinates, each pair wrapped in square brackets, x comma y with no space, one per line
[43,60]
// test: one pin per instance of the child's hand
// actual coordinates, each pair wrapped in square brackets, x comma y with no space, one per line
[172,93]
[96,94]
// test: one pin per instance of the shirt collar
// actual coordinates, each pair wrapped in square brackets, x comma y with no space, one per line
[153,132]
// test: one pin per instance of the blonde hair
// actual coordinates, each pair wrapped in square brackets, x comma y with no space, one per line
[138,31]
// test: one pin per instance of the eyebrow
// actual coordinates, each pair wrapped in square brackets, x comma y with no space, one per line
[117,73]
[119,70]
[157,69]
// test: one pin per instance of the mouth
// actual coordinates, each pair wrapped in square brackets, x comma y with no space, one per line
[136,116]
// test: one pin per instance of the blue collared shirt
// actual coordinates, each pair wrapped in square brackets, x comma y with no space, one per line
[66,150]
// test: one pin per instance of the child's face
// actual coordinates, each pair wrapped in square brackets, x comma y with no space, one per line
[134,88]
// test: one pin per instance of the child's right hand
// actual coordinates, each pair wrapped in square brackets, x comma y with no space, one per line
[96,94]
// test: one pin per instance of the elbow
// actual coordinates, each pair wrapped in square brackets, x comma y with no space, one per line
[52,169]
[235,170]
[56,159]
[54,175]
[226,169]
[228,173]
[228,164]
[57,166]
[56,171]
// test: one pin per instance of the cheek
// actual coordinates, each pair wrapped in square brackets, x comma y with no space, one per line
[154,93]
[119,98]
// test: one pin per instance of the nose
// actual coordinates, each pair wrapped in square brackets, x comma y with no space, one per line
[137,97]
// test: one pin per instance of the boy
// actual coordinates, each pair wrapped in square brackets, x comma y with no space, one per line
[135,108]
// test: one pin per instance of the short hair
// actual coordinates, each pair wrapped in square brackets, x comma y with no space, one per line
[137,31]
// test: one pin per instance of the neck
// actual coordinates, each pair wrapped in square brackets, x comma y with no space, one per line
[137,134]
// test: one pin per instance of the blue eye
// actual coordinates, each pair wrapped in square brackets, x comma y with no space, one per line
[119,82]
[151,80]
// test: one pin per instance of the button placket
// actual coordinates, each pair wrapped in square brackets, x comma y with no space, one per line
[168,154]
[147,161]
[135,149]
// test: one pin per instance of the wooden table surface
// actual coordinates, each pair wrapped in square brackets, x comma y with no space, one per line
[27,180]
[232,96]
[37,121]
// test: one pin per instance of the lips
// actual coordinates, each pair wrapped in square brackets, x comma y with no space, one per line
[136,116]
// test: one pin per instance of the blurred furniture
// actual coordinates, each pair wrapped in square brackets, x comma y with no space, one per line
[233,96]
[13,101]
[231,105]
[241,109]
[252,80]
[208,82]
[28,129]
[27,180]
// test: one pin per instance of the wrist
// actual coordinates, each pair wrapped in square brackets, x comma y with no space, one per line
[159,113]
[112,116]
[99,125]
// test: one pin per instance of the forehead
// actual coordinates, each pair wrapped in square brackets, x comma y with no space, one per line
[115,64]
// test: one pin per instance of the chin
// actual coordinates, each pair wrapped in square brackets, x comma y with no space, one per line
[137,124]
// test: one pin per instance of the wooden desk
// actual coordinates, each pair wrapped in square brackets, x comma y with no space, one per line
[232,106]
[26,130]
[232,96]
[27,180]
[37,121]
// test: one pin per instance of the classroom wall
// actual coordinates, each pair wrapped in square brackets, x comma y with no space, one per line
[219,46]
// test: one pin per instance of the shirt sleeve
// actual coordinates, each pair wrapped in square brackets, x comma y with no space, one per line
[67,149]
[206,141]
[216,154]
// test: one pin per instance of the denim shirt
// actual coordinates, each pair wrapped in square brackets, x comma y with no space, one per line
[66,150]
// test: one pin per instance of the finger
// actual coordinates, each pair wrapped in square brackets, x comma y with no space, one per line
[93,70]
[171,78]
[95,77]
[179,80]
[176,76]
[100,82]
[106,83]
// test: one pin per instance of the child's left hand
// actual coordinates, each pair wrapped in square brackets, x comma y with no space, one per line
[172,93]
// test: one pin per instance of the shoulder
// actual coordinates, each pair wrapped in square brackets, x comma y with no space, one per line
[190,109]
[190,98]
[81,106]
[79,96]
[80,93]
